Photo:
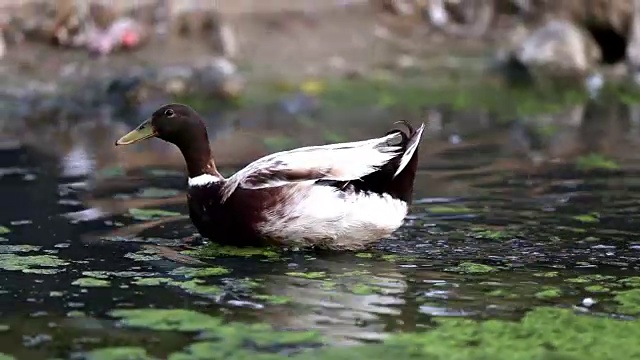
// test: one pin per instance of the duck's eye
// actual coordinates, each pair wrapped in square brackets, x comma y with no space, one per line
[169,113]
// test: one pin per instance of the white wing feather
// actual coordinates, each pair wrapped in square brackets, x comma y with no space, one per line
[343,161]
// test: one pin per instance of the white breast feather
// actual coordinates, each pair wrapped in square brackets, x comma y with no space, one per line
[203,180]
[344,161]
[315,215]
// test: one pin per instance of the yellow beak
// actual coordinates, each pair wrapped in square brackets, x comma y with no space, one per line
[143,131]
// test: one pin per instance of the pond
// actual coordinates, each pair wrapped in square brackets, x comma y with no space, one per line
[514,216]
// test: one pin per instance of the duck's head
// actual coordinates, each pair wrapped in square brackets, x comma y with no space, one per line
[175,123]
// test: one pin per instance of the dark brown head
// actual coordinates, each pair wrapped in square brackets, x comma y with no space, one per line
[175,123]
[182,126]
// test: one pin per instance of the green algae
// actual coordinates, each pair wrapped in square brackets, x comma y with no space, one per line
[194,286]
[549,293]
[143,255]
[151,281]
[597,289]
[596,162]
[215,250]
[544,333]
[6,249]
[629,301]
[364,289]
[633,281]
[547,274]
[230,335]
[118,353]
[151,214]
[4,230]
[166,319]
[591,278]
[471,268]
[31,264]
[98,274]
[156,193]
[91,282]
[590,218]
[308,275]
[200,272]
[6,357]
[364,255]
[491,234]
[448,209]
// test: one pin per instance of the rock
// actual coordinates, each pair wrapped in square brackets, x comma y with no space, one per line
[558,48]
[123,33]
[633,45]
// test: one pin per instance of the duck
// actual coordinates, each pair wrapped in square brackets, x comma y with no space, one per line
[342,196]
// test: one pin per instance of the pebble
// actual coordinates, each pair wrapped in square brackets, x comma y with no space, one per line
[588,302]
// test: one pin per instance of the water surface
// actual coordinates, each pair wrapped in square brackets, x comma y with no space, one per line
[508,216]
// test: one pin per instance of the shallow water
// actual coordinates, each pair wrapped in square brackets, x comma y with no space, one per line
[508,216]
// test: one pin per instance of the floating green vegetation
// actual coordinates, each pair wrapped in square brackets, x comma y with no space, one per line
[5,248]
[544,333]
[448,209]
[4,230]
[591,278]
[547,274]
[157,193]
[633,281]
[167,319]
[194,286]
[548,293]
[31,264]
[118,353]
[471,268]
[151,214]
[597,289]
[364,255]
[629,301]
[273,299]
[491,234]
[364,289]
[235,334]
[590,218]
[99,274]
[200,272]
[6,357]
[308,275]
[596,162]
[216,250]
[143,255]
[91,282]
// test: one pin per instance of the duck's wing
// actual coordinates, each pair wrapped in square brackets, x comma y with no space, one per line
[343,162]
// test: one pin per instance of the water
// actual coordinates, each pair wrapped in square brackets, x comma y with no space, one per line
[508,216]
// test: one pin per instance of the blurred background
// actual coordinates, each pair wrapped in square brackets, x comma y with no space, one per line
[527,177]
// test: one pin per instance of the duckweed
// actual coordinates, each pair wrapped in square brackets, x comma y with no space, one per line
[588,218]
[214,250]
[151,214]
[157,193]
[5,248]
[596,162]
[91,282]
[550,293]
[471,268]
[31,264]
[308,275]
[200,272]
[118,353]
[629,301]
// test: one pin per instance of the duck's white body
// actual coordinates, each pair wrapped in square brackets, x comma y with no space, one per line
[339,196]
